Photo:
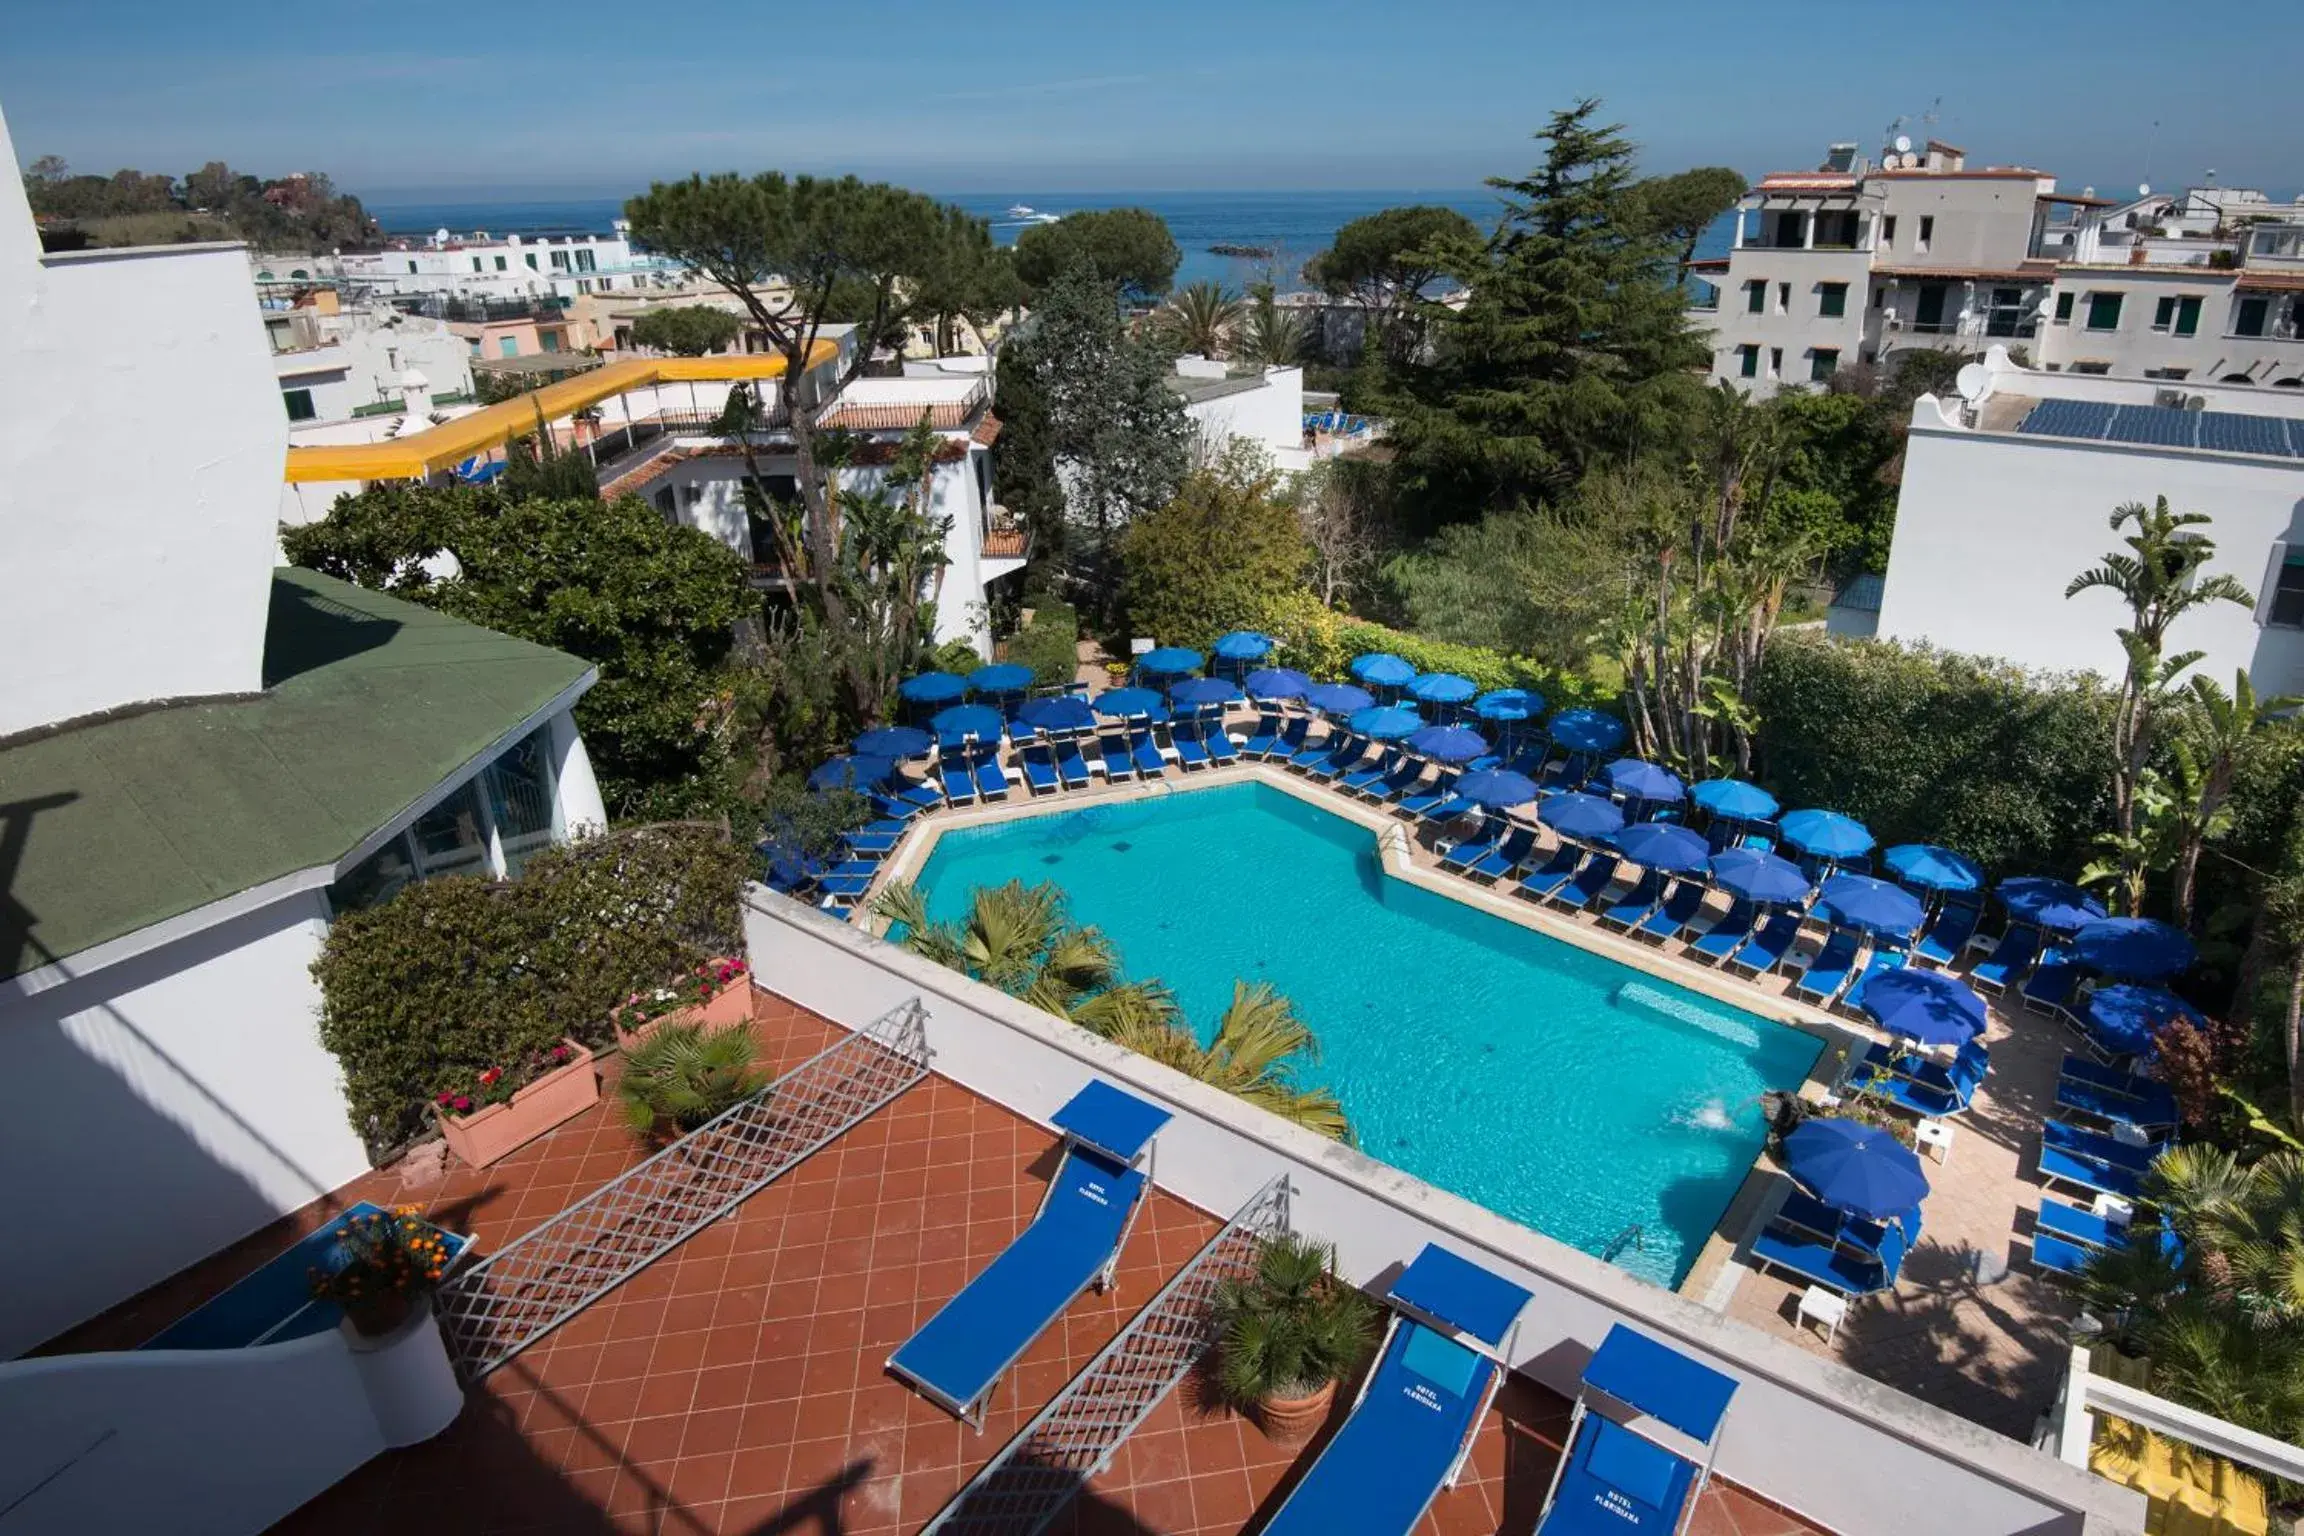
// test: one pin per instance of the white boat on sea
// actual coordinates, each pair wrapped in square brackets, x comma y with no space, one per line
[1025,213]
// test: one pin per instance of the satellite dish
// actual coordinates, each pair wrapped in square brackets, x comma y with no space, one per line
[1903,143]
[1974,383]
[2144,189]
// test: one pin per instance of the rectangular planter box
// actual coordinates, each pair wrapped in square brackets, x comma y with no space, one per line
[730,1006]
[491,1132]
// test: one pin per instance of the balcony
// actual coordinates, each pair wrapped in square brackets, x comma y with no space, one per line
[1003,535]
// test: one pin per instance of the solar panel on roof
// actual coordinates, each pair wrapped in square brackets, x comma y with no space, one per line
[2158,425]
[2067,418]
[2231,432]
[2296,439]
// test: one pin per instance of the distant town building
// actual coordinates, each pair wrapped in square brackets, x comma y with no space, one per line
[336,362]
[477,266]
[1226,402]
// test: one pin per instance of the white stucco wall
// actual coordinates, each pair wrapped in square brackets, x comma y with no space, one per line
[1271,416]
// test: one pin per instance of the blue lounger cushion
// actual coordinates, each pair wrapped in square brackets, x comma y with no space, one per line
[1949,934]
[1637,903]
[1071,766]
[1219,742]
[2058,1256]
[1555,871]
[1146,752]
[2097,1147]
[1191,751]
[1834,1268]
[1769,944]
[1518,846]
[1617,1482]
[1118,764]
[2061,1167]
[1264,735]
[1039,768]
[2008,960]
[1678,910]
[991,778]
[1598,873]
[960,1352]
[2075,1225]
[1727,935]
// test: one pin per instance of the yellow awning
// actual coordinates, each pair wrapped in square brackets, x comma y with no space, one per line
[420,453]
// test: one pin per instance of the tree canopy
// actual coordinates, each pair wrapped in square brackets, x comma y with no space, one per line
[1127,248]
[1385,261]
[1681,206]
[1219,557]
[299,212]
[686,330]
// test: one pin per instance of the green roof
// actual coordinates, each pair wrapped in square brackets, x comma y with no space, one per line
[369,703]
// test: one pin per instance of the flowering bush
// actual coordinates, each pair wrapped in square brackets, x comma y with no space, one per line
[692,990]
[381,1258]
[497,1084]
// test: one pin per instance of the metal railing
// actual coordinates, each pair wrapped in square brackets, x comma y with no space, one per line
[523,1291]
[1038,1474]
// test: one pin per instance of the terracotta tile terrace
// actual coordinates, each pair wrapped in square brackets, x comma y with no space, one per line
[738,1384]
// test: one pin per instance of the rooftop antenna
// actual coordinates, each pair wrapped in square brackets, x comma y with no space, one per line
[2151,146]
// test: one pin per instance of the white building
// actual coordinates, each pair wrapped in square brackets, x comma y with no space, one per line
[2006,500]
[1230,401]
[201,758]
[333,366]
[479,267]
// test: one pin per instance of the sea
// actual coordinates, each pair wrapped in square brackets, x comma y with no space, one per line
[1292,226]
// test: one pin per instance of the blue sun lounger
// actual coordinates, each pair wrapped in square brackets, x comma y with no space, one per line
[1613,1480]
[1834,1266]
[2060,1167]
[1191,747]
[1221,747]
[1726,936]
[1590,882]
[1340,758]
[877,838]
[911,795]
[1884,958]
[1374,773]
[2096,1147]
[1923,1087]
[2009,960]
[1411,1427]
[959,1355]
[991,777]
[1443,791]
[1038,761]
[2066,1238]
[1673,916]
[1119,766]
[1646,895]
[1285,743]
[1072,768]
[1769,944]
[1150,761]
[1462,856]
[1265,734]
[2050,987]
[1949,934]
[958,777]
[1555,873]
[1826,976]
[2118,1098]
[1401,775]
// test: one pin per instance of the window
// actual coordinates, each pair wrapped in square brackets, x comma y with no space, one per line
[1927,231]
[584,261]
[531,261]
[665,503]
[2170,374]
[2249,315]
[1783,298]
[299,403]
[1775,362]
[474,343]
[2092,365]
[475,263]
[1832,300]
[2104,311]
[550,339]
[2178,314]
[499,263]
[411,266]
[519,790]
[2283,606]
[1880,298]
[2164,313]
[1755,297]
[1748,361]
[1888,229]
[2063,309]
[559,261]
[507,346]
[1823,362]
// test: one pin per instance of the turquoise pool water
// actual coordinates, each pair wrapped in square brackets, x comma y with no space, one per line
[1553,1086]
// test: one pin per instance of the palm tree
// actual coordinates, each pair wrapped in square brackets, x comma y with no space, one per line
[2205,760]
[1019,939]
[1201,318]
[1259,1041]
[1268,335]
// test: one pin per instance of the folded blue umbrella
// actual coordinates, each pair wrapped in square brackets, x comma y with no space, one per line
[932,688]
[1063,712]
[1170,661]
[1586,817]
[1509,704]
[1856,1168]
[1931,1007]
[2136,948]
[1734,800]
[1826,834]
[1385,722]
[1245,645]
[1382,669]
[1200,692]
[1278,683]
[897,741]
[1662,846]
[1638,780]
[2054,904]
[1933,868]
[1000,677]
[1876,906]
[1128,703]
[2122,1019]
[1588,730]
[1759,876]
[846,772]
[1498,789]
[1442,688]
[975,720]
[1338,698]
[1448,743]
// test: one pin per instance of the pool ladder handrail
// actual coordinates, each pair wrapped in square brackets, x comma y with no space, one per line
[1635,1234]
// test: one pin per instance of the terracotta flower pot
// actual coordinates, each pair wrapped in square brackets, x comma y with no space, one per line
[490,1132]
[1294,1420]
[730,1006]
[373,1317]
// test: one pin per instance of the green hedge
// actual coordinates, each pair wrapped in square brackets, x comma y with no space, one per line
[1049,645]
[1920,745]
[450,977]
[1316,639]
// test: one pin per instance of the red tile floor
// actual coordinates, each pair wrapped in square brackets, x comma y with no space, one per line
[738,1384]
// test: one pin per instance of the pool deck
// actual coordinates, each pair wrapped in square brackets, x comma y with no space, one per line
[1991,1352]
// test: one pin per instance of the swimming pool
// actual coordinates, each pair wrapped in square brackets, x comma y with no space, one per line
[1554,1086]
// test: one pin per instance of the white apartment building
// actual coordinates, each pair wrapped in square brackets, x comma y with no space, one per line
[335,364]
[477,266]
[1226,402]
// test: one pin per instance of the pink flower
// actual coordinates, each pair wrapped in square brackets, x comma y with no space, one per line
[560,1053]
[445,1098]
[462,1104]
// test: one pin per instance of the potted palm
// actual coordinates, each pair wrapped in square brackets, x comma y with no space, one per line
[1287,1334]
[684,1074]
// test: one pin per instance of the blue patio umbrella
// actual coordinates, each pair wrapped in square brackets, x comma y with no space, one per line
[1929,1007]
[1386,722]
[1442,688]
[1856,1168]
[1128,703]
[1278,683]
[1201,692]
[1734,800]
[1663,846]
[1382,669]
[1586,817]
[1063,712]
[932,688]
[1638,780]
[1245,645]
[2134,948]
[1001,677]
[1338,698]
[1876,906]
[2054,904]
[1759,876]
[1588,730]
[846,772]
[1170,661]
[1498,789]
[2122,1019]
[1448,743]
[1933,868]
[1826,834]
[897,741]
[977,720]
[1509,704]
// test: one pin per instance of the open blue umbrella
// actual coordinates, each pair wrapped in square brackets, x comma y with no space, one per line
[1929,1007]
[1496,788]
[1662,846]
[1386,722]
[2054,904]
[1759,876]
[932,688]
[1278,683]
[1826,834]
[1063,712]
[1170,661]
[1382,669]
[1201,692]
[1442,688]
[2122,1019]
[1876,906]
[975,720]
[846,772]
[1001,677]
[1856,1168]
[1338,698]
[1129,703]
[1509,704]
[1245,645]
[1734,800]
[1588,730]
[1585,817]
[1933,868]
[1637,780]
[897,741]
[1448,743]
[2134,948]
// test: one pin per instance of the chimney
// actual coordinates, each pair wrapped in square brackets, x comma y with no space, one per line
[416,397]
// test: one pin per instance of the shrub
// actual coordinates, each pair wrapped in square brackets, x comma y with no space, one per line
[1213,559]
[1290,1327]
[1049,645]
[1316,639]
[958,656]
[683,1075]
[450,978]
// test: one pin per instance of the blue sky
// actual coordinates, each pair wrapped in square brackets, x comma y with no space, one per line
[577,98]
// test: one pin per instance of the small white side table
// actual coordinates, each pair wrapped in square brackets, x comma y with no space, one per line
[1818,1305]
[1936,1137]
